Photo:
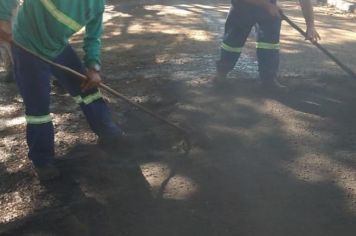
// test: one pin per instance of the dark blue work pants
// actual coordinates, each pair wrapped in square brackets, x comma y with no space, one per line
[241,19]
[33,79]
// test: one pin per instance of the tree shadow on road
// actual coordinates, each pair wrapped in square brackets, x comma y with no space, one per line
[256,177]
[97,194]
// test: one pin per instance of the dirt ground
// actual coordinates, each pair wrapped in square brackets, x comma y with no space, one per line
[260,163]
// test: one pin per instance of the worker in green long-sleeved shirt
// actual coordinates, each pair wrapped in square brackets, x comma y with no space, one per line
[44,27]
[48,37]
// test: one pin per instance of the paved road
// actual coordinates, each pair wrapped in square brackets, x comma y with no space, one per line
[261,163]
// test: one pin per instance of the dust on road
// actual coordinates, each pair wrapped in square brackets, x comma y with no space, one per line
[268,164]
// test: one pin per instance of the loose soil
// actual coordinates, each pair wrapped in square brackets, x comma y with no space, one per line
[261,163]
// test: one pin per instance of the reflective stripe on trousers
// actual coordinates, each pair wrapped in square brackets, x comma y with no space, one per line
[228,48]
[88,99]
[237,28]
[33,79]
[38,120]
[268,46]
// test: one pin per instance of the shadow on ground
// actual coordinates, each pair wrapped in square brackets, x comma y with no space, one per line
[270,164]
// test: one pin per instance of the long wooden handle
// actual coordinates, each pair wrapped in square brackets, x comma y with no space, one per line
[106,88]
[321,48]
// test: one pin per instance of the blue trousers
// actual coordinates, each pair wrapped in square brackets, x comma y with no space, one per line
[241,18]
[33,79]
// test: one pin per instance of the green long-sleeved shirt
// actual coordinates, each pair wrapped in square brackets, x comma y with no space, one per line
[45,26]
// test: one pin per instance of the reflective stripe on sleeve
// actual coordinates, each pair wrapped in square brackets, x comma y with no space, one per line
[60,16]
[230,49]
[38,120]
[271,46]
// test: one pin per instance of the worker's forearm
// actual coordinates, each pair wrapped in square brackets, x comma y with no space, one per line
[308,13]
[92,42]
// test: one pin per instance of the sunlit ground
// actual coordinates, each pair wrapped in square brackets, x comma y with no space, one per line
[178,187]
[180,21]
